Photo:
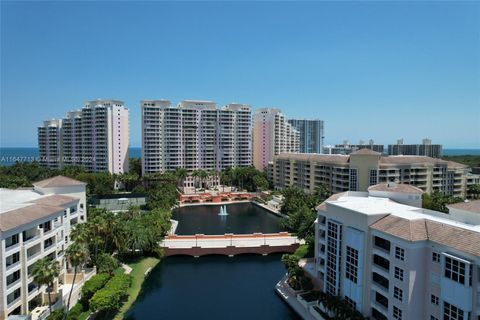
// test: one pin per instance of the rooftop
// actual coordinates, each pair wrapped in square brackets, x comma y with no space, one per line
[22,206]
[471,206]
[58,181]
[396,187]
[395,160]
[412,223]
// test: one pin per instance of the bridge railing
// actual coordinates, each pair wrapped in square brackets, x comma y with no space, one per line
[229,240]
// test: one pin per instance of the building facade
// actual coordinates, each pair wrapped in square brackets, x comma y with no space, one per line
[34,224]
[363,168]
[425,149]
[312,134]
[272,135]
[389,260]
[95,137]
[195,135]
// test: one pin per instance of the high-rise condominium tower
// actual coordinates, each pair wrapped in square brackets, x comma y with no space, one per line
[272,134]
[95,137]
[425,149]
[311,134]
[195,135]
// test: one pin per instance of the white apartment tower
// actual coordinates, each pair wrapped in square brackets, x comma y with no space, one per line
[389,259]
[272,135]
[95,137]
[195,135]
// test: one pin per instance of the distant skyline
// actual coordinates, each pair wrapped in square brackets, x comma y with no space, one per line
[370,70]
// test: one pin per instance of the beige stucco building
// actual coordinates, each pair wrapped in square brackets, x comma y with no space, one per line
[364,168]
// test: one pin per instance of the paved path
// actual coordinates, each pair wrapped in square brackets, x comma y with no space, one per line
[127,268]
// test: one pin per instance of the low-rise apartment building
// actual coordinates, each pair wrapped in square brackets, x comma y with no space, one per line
[364,168]
[36,223]
[390,260]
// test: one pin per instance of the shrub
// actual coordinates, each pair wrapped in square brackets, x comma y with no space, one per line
[111,297]
[91,286]
[75,312]
[56,315]
[106,263]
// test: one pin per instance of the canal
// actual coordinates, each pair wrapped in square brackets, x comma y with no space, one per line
[216,287]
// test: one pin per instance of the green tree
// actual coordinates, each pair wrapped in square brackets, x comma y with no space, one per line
[44,272]
[77,255]
[473,191]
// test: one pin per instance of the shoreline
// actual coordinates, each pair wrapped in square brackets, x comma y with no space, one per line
[211,203]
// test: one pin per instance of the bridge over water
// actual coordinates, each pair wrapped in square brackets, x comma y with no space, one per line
[230,244]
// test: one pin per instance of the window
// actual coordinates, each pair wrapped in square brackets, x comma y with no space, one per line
[398,273]
[398,293]
[351,268]
[450,312]
[380,280]
[373,177]
[397,313]
[353,180]
[435,257]
[399,253]
[434,299]
[381,262]
[455,270]
[377,315]
[382,243]
[381,299]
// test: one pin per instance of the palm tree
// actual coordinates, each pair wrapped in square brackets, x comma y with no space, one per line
[77,255]
[181,174]
[202,174]
[195,174]
[44,272]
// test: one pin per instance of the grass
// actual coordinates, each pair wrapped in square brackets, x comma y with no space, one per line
[139,267]
[84,315]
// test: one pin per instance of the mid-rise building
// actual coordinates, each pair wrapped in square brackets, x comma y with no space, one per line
[312,134]
[272,135]
[36,223]
[391,260]
[363,168]
[425,149]
[95,137]
[195,135]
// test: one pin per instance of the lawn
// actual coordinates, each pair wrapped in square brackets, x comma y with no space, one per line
[139,267]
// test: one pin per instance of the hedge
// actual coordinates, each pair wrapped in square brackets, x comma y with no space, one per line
[91,286]
[111,297]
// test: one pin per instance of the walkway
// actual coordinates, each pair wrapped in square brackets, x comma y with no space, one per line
[230,244]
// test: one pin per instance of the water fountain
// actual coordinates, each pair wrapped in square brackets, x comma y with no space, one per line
[223,211]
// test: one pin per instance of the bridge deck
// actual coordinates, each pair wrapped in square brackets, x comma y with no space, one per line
[230,244]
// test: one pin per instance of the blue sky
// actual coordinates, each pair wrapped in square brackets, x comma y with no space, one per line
[381,70]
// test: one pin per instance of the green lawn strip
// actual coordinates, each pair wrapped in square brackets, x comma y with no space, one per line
[138,275]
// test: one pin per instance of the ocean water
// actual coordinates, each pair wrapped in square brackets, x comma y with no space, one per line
[8,156]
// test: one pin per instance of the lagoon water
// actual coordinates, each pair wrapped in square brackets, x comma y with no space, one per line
[216,287]
[242,218]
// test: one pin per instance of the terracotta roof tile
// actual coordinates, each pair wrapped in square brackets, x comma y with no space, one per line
[58,181]
[472,206]
[366,151]
[397,187]
[18,217]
